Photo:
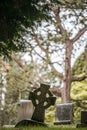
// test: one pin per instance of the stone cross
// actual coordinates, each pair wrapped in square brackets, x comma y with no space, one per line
[41,98]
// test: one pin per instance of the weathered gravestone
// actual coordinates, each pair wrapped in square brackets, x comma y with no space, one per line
[83,119]
[41,98]
[25,110]
[64,114]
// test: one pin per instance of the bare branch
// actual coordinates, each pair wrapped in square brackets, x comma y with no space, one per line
[60,75]
[75,78]
[81,103]
[56,91]
[57,73]
[79,34]
[18,61]
[38,42]
[58,20]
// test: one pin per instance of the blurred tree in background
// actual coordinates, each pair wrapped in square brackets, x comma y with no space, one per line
[79,89]
[17,16]
[42,29]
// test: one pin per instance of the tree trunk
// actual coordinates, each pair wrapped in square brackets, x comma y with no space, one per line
[67,79]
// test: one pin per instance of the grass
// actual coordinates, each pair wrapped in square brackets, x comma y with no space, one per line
[61,127]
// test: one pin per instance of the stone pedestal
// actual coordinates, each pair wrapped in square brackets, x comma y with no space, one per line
[64,114]
[83,119]
[25,110]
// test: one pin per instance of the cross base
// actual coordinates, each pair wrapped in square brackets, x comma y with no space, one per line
[29,122]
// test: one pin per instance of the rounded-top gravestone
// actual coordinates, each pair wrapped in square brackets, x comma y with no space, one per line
[25,110]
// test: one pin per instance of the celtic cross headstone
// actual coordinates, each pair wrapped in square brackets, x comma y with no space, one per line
[32,112]
[41,98]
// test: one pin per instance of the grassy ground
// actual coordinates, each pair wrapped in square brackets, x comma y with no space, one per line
[71,127]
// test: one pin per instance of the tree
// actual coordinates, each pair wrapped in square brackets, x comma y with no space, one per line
[60,36]
[19,78]
[26,14]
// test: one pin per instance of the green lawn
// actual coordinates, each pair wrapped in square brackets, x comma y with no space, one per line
[71,127]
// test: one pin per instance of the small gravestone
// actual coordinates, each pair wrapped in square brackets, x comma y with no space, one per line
[83,119]
[64,114]
[41,98]
[25,109]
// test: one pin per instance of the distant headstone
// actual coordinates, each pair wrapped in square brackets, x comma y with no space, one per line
[64,114]
[41,98]
[83,119]
[25,109]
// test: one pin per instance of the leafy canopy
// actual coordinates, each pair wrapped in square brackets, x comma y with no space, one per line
[17,16]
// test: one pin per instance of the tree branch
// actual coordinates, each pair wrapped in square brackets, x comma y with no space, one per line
[18,61]
[58,21]
[60,75]
[56,91]
[79,34]
[81,103]
[75,78]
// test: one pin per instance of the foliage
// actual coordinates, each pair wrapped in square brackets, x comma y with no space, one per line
[53,42]
[79,98]
[18,87]
[43,49]
[26,14]
[80,66]
[15,17]
[79,89]
[50,115]
[50,112]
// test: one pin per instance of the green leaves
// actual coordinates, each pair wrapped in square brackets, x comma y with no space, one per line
[13,16]
[16,16]
[80,66]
